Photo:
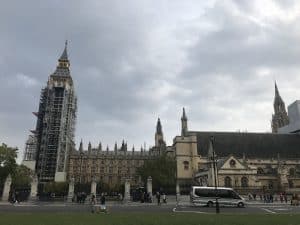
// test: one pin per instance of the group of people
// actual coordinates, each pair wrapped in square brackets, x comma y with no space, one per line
[80,197]
[159,196]
[98,208]
[146,197]
[270,197]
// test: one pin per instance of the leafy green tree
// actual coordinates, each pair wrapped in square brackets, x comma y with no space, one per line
[21,177]
[162,170]
[8,163]
[59,188]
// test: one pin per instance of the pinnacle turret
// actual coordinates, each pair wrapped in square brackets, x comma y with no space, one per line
[158,127]
[81,146]
[64,55]
[280,117]
[184,127]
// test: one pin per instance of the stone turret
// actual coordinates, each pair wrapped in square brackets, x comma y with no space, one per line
[159,137]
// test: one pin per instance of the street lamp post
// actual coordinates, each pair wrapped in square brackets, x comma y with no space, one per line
[215,174]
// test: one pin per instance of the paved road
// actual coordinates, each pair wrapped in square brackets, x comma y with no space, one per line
[257,209]
[139,207]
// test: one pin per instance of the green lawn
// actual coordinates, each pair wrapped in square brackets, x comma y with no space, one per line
[145,219]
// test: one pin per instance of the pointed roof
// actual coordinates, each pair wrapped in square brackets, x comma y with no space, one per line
[183,114]
[80,146]
[63,67]
[64,55]
[277,98]
[158,127]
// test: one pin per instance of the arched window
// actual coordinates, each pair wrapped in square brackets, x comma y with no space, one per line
[186,165]
[227,182]
[244,182]
[260,170]
[292,172]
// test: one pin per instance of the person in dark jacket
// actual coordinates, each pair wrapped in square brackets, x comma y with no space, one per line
[158,197]
[102,202]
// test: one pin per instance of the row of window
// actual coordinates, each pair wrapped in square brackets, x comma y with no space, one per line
[119,162]
[228,182]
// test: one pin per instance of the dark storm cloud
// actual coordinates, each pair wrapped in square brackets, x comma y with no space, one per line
[136,61]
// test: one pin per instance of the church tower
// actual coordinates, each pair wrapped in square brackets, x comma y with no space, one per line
[159,137]
[280,117]
[55,126]
[184,126]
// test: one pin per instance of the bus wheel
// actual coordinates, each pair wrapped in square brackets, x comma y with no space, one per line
[240,205]
[210,204]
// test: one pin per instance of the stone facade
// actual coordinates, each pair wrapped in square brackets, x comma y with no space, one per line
[114,167]
[110,167]
[244,161]
[254,175]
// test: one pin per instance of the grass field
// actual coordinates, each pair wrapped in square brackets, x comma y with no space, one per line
[145,219]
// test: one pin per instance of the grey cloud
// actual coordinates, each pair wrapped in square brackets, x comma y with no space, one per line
[136,61]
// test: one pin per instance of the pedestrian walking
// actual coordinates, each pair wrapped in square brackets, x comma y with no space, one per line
[120,197]
[158,197]
[285,197]
[93,203]
[164,197]
[281,197]
[102,202]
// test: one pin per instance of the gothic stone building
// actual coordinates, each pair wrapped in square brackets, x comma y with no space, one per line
[112,167]
[245,161]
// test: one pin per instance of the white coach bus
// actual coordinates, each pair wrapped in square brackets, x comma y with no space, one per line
[206,196]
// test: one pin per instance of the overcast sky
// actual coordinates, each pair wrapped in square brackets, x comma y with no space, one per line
[135,61]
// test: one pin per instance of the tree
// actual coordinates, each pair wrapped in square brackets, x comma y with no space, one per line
[8,163]
[162,170]
[59,188]
[21,177]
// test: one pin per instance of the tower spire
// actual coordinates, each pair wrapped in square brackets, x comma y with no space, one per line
[64,55]
[184,127]
[159,137]
[280,117]
[81,146]
[158,127]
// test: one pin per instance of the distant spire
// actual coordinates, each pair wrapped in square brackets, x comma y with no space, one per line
[116,146]
[100,146]
[107,149]
[276,91]
[81,146]
[89,146]
[133,148]
[184,126]
[64,55]
[123,145]
[280,117]
[158,127]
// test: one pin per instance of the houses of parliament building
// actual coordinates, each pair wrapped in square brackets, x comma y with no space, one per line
[245,161]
